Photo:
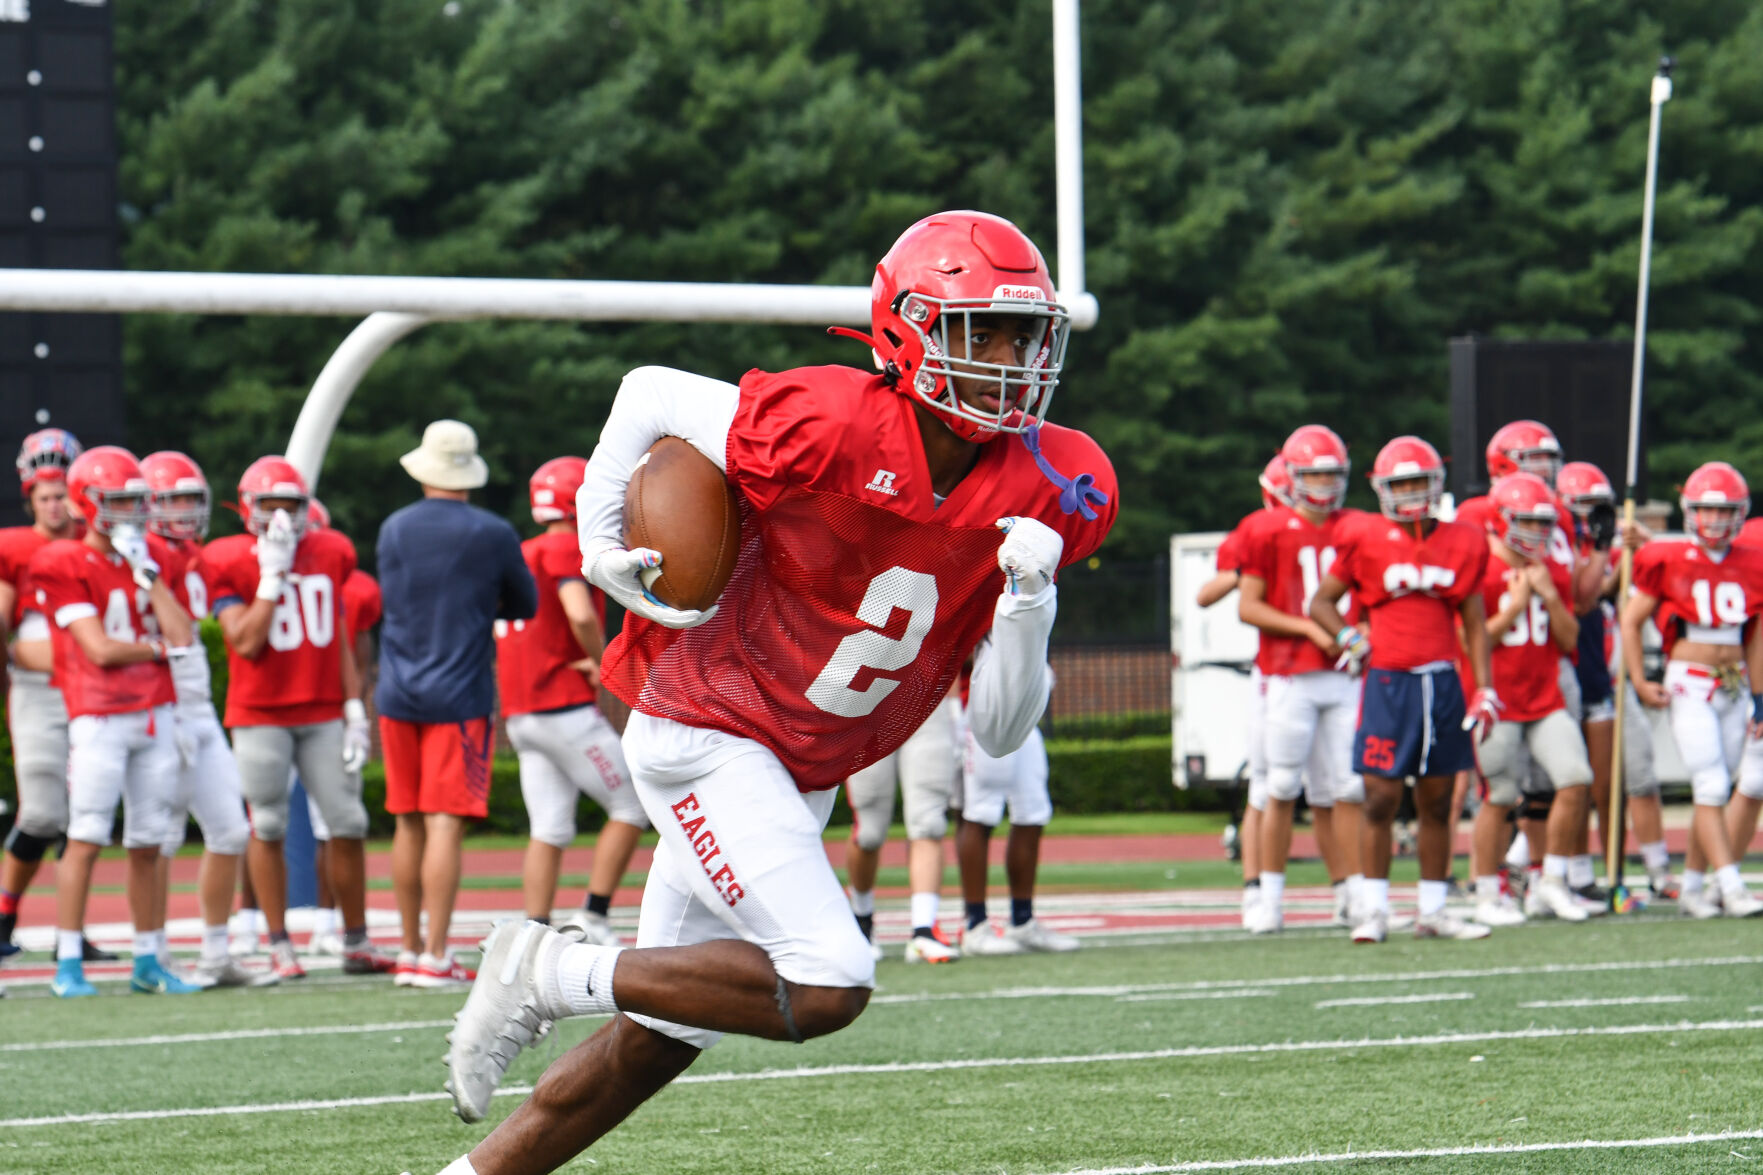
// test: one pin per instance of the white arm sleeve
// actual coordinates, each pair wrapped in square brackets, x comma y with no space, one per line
[1011,680]
[653,402]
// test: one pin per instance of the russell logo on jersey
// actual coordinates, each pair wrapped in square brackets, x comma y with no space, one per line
[883,483]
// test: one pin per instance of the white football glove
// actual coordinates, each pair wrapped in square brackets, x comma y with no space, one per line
[275,555]
[357,739]
[128,541]
[619,573]
[1355,647]
[1029,555]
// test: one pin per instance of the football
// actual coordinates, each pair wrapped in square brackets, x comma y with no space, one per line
[679,503]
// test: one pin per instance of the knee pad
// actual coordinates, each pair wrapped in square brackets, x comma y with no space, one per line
[230,838]
[1535,807]
[1258,792]
[1711,786]
[1284,784]
[1351,789]
[269,820]
[350,823]
[28,847]
[869,831]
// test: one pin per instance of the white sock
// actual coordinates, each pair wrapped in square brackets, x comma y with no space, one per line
[1487,889]
[924,909]
[577,980]
[863,903]
[1355,889]
[1273,888]
[1579,870]
[1656,856]
[1377,893]
[1518,856]
[1555,867]
[144,945]
[214,947]
[1432,897]
[325,922]
[1692,880]
[69,944]
[460,1166]
[1729,880]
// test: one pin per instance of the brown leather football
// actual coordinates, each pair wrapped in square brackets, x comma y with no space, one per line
[679,503]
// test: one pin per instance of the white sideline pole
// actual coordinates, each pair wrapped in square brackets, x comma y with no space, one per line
[336,383]
[1068,154]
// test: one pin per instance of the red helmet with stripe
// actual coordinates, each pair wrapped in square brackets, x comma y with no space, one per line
[1316,462]
[1524,508]
[46,454]
[273,479]
[1402,460]
[109,489]
[182,504]
[1583,486]
[553,488]
[1715,501]
[1527,445]
[1276,483]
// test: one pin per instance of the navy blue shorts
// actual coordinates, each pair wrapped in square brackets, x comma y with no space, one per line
[1411,724]
[1595,686]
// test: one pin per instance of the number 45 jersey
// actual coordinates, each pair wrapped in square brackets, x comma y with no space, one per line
[856,596]
[297,679]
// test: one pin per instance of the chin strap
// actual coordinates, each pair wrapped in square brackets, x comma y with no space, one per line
[1076,494]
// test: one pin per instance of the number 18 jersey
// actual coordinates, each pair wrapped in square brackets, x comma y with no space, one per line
[856,596]
[1717,598]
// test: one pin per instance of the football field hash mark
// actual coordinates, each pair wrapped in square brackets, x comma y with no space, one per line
[1612,1002]
[1373,1001]
[32,1046]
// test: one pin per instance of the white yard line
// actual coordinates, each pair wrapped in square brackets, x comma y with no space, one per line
[1443,1152]
[814,1072]
[1440,997]
[112,1042]
[1616,1002]
[1249,993]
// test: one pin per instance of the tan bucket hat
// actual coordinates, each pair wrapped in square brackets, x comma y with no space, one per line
[447,458]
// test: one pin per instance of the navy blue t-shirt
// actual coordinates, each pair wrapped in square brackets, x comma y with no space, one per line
[448,571]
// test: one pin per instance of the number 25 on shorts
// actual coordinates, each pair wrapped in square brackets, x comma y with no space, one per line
[1380,753]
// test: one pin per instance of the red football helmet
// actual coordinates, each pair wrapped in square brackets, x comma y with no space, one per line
[1525,445]
[318,515]
[181,501]
[946,269]
[1408,459]
[553,487]
[1276,483]
[1583,486]
[109,489]
[46,453]
[274,479]
[1715,501]
[1524,507]
[1316,463]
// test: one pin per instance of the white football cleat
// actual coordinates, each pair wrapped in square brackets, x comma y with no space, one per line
[1343,910]
[924,949]
[1445,924]
[1697,904]
[1556,899]
[1251,900]
[1264,918]
[325,944]
[1032,936]
[1740,904]
[1500,911]
[502,1015]
[228,972]
[593,929]
[983,940]
[1374,926]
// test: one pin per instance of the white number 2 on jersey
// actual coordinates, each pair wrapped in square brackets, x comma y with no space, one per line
[896,587]
[1728,603]
[306,611]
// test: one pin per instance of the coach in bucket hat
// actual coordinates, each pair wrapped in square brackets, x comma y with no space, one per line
[447,458]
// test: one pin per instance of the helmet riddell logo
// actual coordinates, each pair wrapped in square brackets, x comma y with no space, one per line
[883,483]
[1019,294]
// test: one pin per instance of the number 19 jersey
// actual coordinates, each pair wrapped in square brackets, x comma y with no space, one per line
[856,596]
[297,679]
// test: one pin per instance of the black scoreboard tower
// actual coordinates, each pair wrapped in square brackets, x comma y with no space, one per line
[58,210]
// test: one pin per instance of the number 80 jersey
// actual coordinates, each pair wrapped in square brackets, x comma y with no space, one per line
[856,596]
[298,677]
[1714,600]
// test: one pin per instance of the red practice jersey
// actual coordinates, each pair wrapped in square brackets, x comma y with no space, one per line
[1290,555]
[182,573]
[71,582]
[17,545]
[1234,547]
[1479,513]
[298,677]
[362,605]
[1701,592]
[533,657]
[1749,535]
[856,596]
[1526,661]
[1410,589]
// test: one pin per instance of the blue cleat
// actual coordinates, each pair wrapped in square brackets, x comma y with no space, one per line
[151,978]
[70,980]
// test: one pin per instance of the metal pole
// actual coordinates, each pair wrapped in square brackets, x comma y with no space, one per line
[1068,150]
[1615,836]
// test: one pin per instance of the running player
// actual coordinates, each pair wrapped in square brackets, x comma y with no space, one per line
[870,569]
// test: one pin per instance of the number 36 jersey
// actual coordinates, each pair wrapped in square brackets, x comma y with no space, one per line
[73,582]
[1713,600]
[298,677]
[1411,589]
[856,596]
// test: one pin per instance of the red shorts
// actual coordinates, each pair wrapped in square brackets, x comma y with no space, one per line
[437,767]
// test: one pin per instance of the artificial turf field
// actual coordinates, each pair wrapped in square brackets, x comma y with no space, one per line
[1169,1053]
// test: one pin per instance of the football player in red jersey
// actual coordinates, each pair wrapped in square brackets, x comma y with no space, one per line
[546,672]
[1743,810]
[1530,622]
[37,715]
[871,566]
[1716,590]
[1415,577]
[1311,706]
[293,696]
[116,624]
[208,777]
[1276,491]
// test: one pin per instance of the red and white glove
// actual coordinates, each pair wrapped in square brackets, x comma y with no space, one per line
[1355,647]
[1483,713]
